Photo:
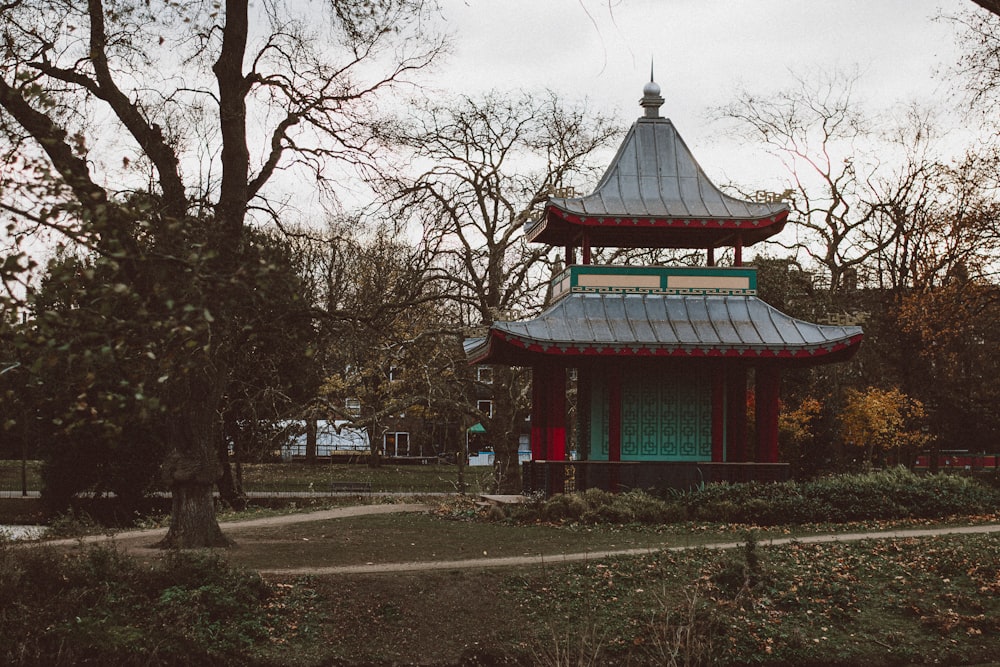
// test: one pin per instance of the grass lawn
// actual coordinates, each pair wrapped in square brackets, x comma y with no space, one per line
[873,602]
[393,538]
[295,476]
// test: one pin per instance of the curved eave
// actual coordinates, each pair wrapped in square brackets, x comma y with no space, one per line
[740,328]
[508,350]
[560,227]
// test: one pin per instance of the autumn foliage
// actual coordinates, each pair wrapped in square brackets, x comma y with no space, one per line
[880,421]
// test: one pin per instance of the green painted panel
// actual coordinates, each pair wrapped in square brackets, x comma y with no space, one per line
[665,416]
[598,418]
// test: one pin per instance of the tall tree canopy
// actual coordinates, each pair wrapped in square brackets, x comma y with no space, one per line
[146,133]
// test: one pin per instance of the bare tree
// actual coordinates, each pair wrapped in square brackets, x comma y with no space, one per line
[479,170]
[848,205]
[100,101]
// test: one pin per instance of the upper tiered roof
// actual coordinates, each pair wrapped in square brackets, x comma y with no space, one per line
[656,195]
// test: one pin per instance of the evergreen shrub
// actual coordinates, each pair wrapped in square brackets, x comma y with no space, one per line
[896,493]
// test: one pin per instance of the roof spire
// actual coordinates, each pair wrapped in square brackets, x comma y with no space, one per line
[651,99]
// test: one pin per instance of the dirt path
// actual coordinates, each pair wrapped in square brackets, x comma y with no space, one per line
[141,540]
[129,537]
[541,560]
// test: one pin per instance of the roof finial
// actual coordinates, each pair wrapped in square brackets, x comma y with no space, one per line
[651,99]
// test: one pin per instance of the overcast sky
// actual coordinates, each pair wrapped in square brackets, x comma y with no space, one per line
[702,51]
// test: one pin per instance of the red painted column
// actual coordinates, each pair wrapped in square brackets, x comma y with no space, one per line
[768,390]
[738,252]
[718,414]
[585,251]
[736,414]
[615,414]
[711,256]
[555,421]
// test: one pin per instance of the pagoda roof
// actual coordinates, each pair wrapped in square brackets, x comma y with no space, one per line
[655,194]
[657,325]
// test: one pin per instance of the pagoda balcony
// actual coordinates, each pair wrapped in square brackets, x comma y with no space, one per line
[678,280]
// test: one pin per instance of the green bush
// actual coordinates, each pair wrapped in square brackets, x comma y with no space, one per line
[99,606]
[885,495]
[896,493]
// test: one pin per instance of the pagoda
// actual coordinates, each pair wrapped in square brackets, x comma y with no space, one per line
[665,358]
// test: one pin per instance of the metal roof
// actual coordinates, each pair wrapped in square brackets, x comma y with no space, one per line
[666,325]
[655,181]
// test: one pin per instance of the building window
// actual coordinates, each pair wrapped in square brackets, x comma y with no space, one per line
[487,407]
[353,406]
[484,374]
[396,444]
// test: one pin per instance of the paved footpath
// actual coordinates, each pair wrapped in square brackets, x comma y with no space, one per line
[234,527]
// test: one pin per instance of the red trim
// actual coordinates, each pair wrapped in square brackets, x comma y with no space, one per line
[626,221]
[627,350]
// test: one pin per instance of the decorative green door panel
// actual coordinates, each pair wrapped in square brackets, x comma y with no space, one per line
[666,416]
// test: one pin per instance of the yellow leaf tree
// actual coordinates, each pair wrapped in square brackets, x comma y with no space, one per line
[883,424]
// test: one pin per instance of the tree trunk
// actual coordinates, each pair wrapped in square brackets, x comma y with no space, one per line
[193,467]
[375,436]
[192,518]
[311,428]
[230,485]
[503,433]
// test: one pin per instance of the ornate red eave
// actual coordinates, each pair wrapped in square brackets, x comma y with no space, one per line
[561,227]
[512,350]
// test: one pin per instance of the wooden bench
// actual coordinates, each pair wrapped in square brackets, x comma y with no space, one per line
[350,487]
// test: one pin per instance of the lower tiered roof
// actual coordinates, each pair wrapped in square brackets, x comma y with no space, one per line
[631,317]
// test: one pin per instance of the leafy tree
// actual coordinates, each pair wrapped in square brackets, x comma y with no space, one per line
[274,345]
[883,421]
[165,101]
[956,349]
[797,436]
[493,163]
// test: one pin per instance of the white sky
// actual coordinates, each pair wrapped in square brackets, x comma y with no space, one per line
[703,50]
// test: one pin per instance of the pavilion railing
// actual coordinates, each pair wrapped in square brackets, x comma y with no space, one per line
[550,477]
